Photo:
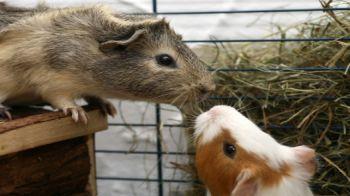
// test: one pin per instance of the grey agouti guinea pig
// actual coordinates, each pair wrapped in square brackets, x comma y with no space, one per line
[58,56]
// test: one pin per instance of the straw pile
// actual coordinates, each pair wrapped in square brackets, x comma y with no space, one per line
[296,107]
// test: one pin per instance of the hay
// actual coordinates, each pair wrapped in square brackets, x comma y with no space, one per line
[296,107]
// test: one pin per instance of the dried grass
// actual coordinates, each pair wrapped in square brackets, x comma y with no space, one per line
[295,106]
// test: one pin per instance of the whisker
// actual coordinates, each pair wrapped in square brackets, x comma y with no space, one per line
[176,98]
[184,101]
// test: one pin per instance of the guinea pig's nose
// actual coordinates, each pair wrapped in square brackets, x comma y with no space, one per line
[307,157]
[206,88]
[215,111]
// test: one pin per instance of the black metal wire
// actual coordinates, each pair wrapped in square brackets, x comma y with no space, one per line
[141,152]
[160,179]
[252,11]
[144,179]
[154,6]
[287,69]
[144,125]
[321,39]
[246,11]
[159,151]
[270,126]
[311,98]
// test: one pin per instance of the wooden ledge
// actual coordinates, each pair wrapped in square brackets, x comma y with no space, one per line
[43,127]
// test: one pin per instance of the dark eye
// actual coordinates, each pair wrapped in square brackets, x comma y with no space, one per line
[165,60]
[229,150]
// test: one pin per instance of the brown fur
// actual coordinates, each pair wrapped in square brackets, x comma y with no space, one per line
[56,56]
[220,172]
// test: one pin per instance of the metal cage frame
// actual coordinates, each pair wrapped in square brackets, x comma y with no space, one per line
[158,123]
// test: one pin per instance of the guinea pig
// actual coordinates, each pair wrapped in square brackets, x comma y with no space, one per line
[234,157]
[56,56]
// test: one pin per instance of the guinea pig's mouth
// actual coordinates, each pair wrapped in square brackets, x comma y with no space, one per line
[203,97]
[311,166]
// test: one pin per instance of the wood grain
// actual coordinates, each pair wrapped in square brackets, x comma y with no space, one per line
[61,168]
[33,131]
[92,186]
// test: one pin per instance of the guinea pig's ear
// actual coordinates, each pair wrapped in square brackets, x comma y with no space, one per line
[108,45]
[157,26]
[245,185]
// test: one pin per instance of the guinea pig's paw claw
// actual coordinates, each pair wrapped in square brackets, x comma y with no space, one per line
[77,113]
[4,113]
[83,115]
[65,111]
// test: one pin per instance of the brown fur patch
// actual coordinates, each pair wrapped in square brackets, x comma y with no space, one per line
[219,172]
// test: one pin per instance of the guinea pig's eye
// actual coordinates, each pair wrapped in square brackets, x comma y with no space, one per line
[165,60]
[229,150]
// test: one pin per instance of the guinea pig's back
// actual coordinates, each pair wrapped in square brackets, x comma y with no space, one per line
[10,14]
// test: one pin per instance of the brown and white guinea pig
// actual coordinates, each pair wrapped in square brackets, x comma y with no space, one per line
[235,157]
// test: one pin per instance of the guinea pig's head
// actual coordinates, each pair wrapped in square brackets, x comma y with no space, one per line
[156,64]
[234,157]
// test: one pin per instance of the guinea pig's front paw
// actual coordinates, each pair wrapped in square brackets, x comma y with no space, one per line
[78,114]
[4,113]
[106,106]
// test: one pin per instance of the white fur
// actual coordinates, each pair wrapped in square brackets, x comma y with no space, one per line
[254,140]
[245,132]
[289,186]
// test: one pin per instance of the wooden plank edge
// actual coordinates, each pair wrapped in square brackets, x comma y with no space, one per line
[48,132]
[32,119]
